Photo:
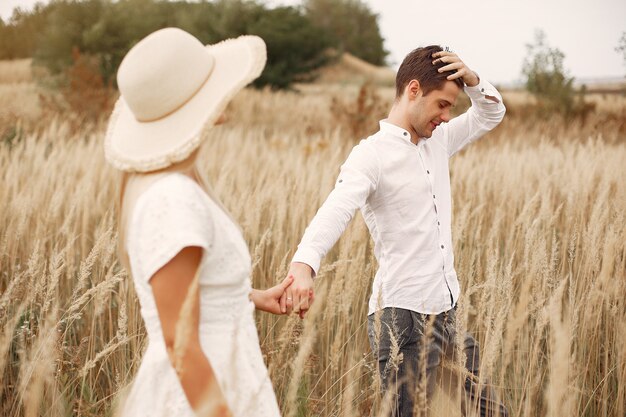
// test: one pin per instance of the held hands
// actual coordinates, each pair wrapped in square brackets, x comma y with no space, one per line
[271,299]
[453,62]
[294,293]
[299,296]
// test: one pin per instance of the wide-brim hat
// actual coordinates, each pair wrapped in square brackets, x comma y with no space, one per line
[171,87]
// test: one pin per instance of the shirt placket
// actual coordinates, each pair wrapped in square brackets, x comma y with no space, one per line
[429,177]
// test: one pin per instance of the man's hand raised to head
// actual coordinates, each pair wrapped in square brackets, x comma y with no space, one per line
[454,63]
[298,296]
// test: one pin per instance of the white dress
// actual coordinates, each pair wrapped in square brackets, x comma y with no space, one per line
[171,214]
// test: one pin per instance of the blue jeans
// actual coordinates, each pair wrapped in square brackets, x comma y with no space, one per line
[403,331]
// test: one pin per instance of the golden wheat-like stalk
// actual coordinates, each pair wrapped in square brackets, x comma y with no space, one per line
[539,231]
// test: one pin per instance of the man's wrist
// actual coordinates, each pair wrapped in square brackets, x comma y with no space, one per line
[473,81]
[304,267]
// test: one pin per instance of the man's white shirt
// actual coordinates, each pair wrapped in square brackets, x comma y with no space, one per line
[403,192]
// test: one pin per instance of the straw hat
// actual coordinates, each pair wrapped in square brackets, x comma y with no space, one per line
[171,87]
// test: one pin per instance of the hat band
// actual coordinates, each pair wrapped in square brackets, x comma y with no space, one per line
[175,109]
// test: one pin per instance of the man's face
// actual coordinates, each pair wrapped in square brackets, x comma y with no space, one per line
[427,112]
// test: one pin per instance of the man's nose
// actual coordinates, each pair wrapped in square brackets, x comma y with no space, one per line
[445,116]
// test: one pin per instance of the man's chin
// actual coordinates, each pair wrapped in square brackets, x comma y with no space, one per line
[426,133]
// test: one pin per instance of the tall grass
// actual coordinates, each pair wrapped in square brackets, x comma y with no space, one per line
[539,235]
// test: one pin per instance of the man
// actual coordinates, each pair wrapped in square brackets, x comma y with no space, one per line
[399,178]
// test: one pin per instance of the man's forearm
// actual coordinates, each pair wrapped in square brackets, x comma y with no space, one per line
[486,112]
[357,180]
[326,228]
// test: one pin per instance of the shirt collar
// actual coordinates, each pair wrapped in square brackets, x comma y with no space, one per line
[394,130]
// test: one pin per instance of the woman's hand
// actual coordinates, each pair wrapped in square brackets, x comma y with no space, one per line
[270,299]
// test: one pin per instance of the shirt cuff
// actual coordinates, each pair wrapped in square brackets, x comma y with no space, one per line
[483,90]
[308,256]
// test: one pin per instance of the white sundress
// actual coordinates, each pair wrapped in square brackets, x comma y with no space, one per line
[171,214]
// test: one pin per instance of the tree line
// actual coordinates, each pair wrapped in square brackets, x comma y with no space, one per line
[299,39]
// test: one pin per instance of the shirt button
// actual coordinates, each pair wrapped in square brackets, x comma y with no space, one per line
[441,246]
[405,134]
[438,224]
[427,171]
[433,195]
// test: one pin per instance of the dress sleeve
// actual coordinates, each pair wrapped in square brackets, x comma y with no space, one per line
[170,216]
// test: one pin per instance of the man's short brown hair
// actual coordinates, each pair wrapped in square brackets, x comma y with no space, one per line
[418,65]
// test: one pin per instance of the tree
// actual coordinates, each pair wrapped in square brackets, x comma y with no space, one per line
[4,40]
[621,46]
[66,24]
[295,47]
[20,33]
[121,25]
[353,27]
[546,77]
[101,32]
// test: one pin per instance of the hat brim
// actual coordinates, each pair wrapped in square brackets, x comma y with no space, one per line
[131,145]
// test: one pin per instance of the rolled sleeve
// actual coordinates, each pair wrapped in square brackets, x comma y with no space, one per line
[486,112]
[483,91]
[356,181]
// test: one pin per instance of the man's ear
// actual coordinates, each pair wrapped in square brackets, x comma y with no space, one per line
[413,89]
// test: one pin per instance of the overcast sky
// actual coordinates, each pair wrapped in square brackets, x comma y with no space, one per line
[490,35]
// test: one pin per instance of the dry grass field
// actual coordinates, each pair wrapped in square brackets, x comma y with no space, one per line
[539,233]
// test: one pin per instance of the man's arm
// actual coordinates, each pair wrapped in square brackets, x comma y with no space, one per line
[486,112]
[357,180]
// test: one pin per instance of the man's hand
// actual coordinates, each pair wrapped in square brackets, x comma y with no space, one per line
[454,63]
[299,295]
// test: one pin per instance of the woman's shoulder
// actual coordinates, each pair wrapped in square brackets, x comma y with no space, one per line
[172,196]
[169,215]
[173,184]
[172,190]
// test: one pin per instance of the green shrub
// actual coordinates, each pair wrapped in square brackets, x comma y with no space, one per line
[352,26]
[294,46]
[104,30]
[547,80]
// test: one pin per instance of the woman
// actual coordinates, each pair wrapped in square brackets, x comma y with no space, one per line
[190,265]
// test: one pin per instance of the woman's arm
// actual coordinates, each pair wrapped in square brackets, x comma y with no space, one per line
[170,286]
[270,299]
